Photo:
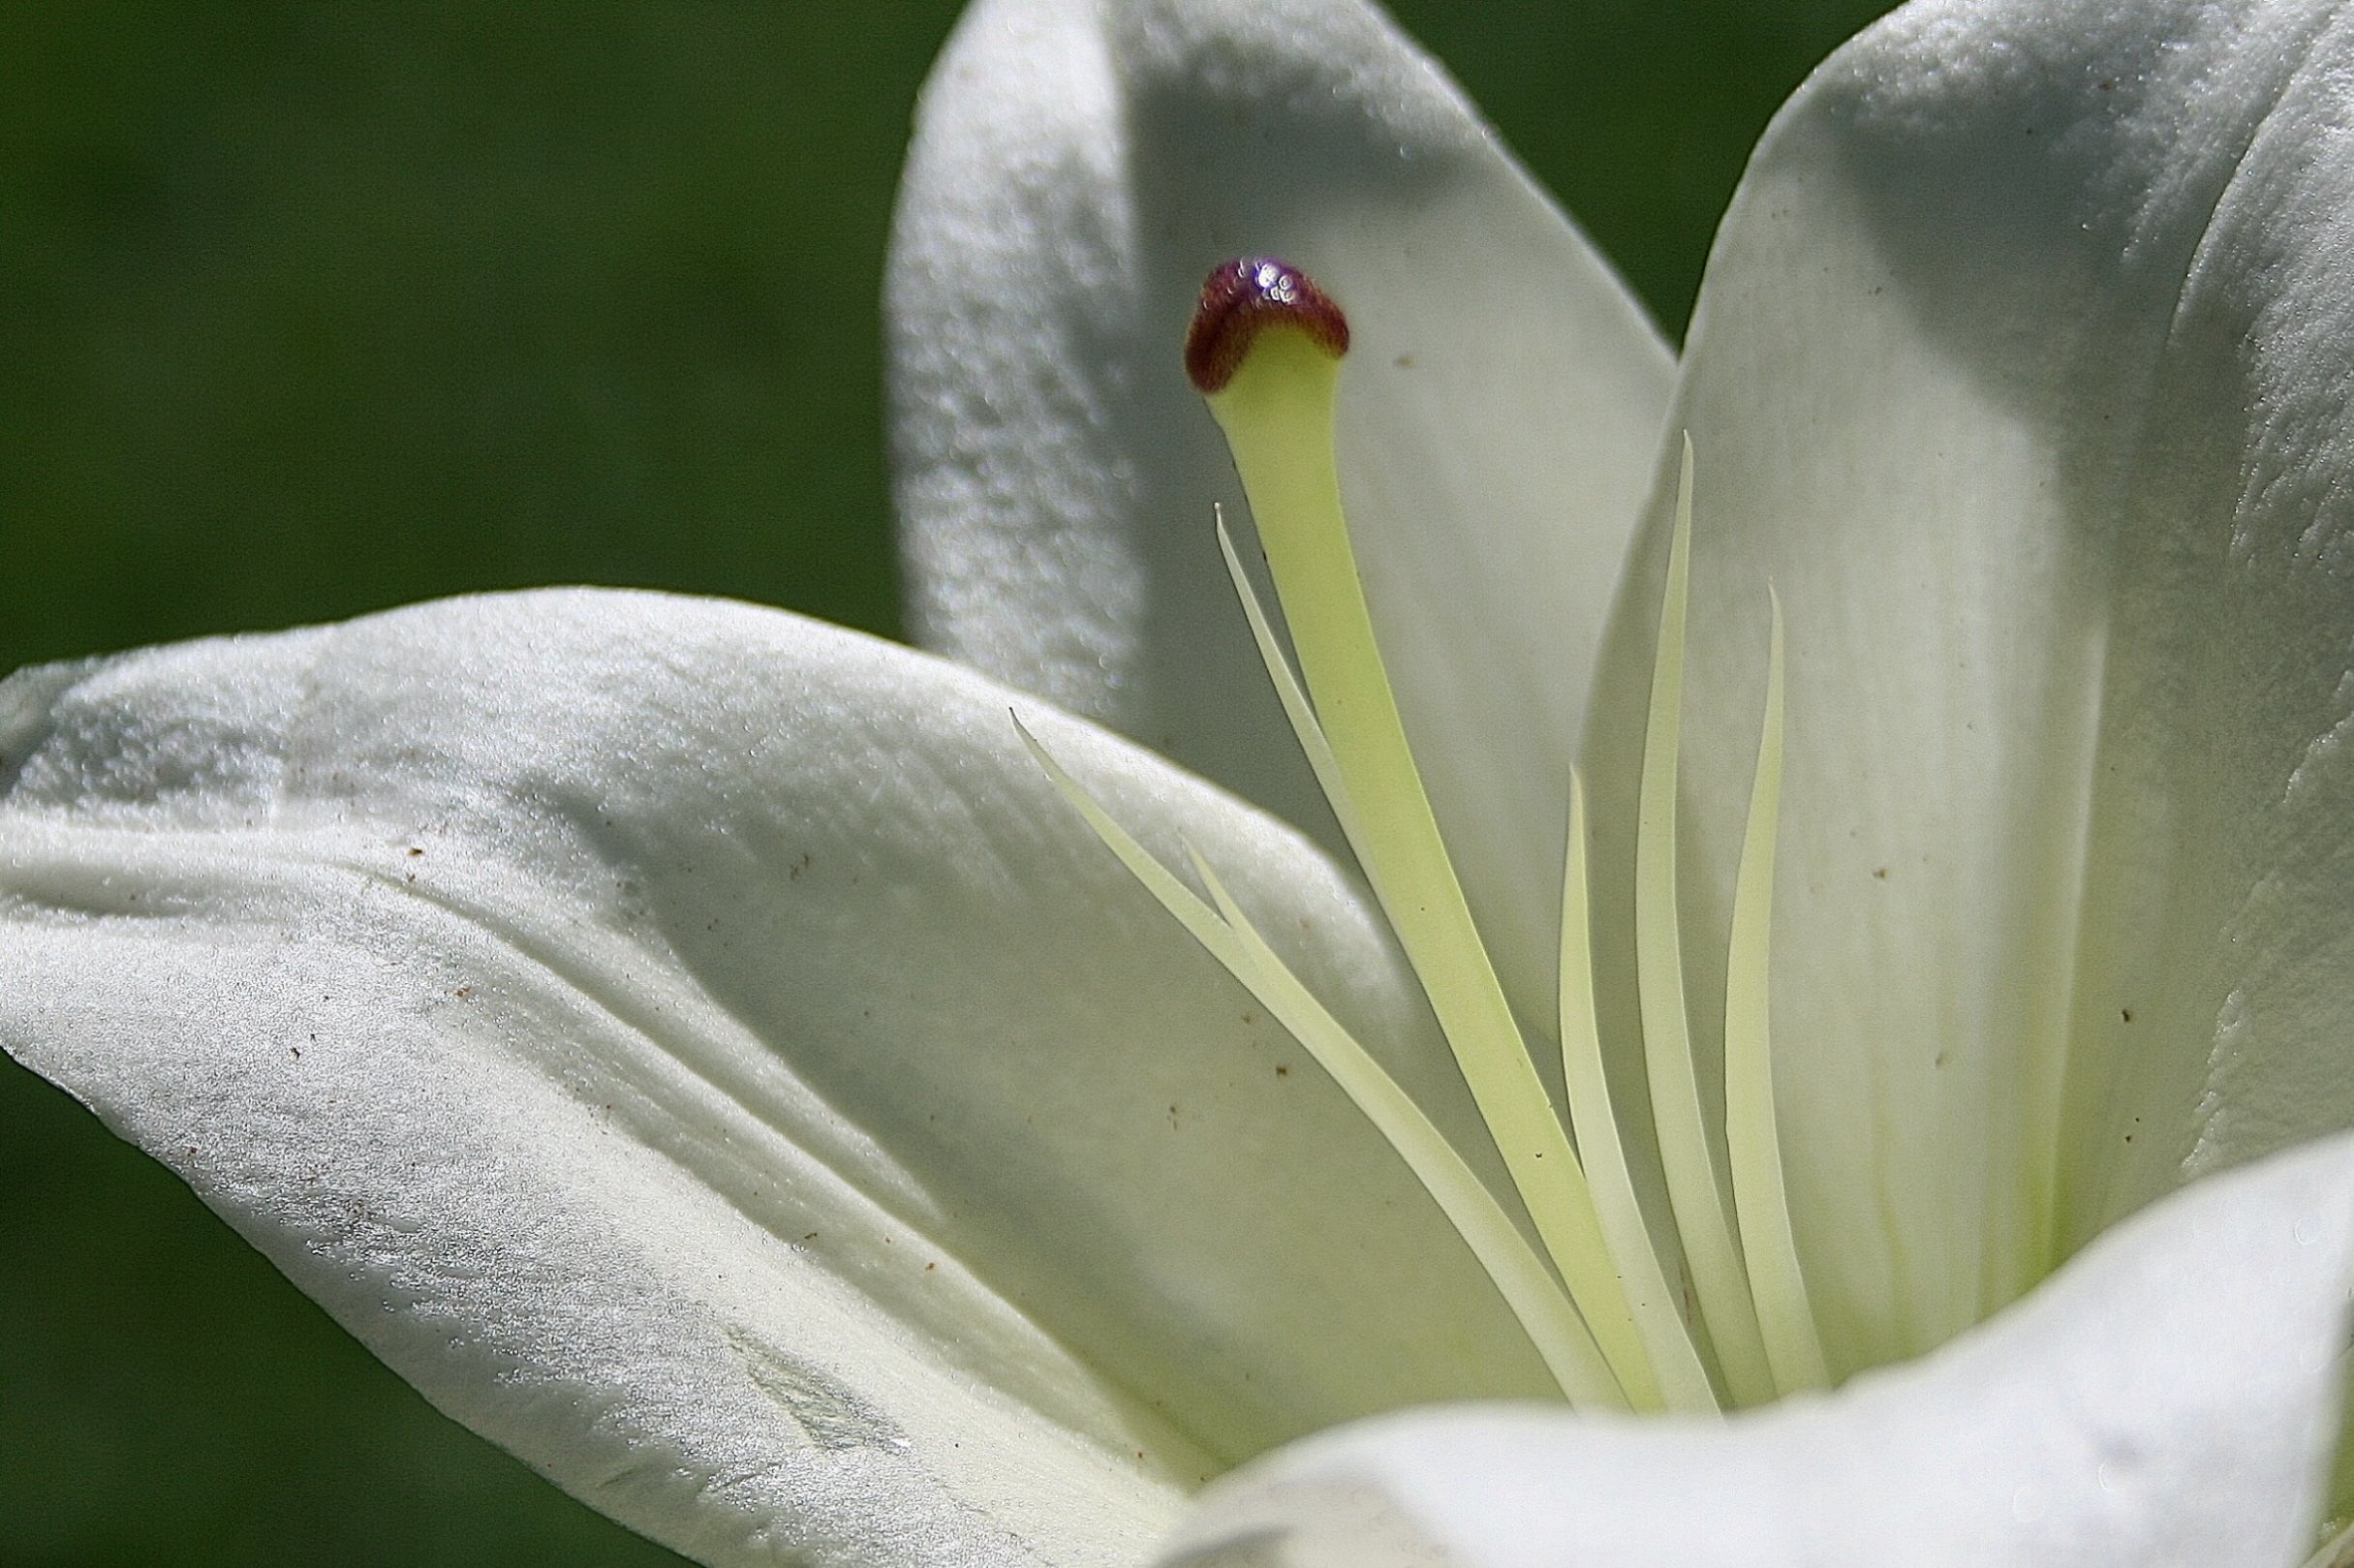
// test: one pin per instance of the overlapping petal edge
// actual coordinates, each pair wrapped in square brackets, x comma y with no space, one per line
[2169,1397]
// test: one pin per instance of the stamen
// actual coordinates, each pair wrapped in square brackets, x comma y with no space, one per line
[1274,404]
[1287,690]
[1560,1334]
[1752,1137]
[1693,1194]
[1681,1378]
[1545,1314]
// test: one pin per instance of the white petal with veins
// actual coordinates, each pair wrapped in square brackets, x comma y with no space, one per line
[701,1050]
[1078,168]
[2021,371]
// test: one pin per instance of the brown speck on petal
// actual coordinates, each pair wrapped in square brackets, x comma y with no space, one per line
[1242,299]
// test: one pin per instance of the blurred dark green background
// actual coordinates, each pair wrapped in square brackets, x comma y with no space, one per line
[309,309]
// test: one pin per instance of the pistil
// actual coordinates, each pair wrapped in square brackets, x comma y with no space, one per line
[1265,351]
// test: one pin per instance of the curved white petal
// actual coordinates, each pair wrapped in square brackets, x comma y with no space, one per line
[701,1051]
[2021,370]
[1078,168]
[2167,1401]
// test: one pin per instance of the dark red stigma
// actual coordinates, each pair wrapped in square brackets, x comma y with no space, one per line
[1242,299]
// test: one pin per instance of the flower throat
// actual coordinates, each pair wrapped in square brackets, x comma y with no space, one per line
[1265,351]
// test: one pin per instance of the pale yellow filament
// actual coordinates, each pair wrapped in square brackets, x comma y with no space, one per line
[1604,1316]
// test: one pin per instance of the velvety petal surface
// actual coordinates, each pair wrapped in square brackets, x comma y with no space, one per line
[701,1051]
[2022,371]
[1078,168]
[2167,1401]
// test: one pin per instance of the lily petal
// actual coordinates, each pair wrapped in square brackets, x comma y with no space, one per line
[1078,168]
[700,1050]
[2169,1400]
[2021,372]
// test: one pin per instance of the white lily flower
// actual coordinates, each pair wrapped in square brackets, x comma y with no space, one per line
[705,1053]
